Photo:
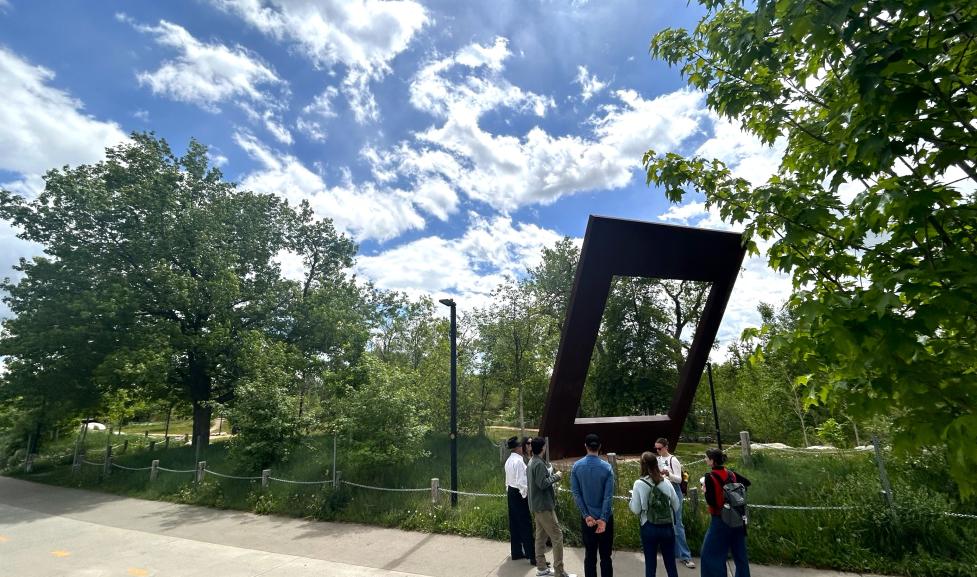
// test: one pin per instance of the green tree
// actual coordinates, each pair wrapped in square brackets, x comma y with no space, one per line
[872,209]
[153,257]
[512,339]
[264,411]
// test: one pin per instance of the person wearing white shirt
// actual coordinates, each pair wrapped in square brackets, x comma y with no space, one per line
[521,536]
[671,470]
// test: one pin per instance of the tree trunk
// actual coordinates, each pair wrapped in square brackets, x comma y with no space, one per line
[166,429]
[522,416]
[201,424]
[200,386]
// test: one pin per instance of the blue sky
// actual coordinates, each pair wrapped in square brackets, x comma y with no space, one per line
[452,140]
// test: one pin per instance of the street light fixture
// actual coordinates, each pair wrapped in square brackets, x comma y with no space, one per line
[454,402]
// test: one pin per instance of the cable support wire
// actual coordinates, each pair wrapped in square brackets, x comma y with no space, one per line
[223,476]
[131,468]
[102,464]
[703,459]
[298,482]
[468,494]
[960,515]
[177,470]
[800,507]
[424,489]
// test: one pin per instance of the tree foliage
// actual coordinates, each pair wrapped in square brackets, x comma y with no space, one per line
[155,270]
[872,208]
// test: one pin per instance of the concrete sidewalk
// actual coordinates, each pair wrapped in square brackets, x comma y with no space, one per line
[50,531]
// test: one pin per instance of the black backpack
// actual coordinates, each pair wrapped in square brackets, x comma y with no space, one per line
[733,512]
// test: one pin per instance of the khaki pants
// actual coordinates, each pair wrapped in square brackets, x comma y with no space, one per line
[548,526]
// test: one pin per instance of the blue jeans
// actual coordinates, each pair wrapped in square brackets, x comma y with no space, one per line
[653,539]
[681,545]
[720,539]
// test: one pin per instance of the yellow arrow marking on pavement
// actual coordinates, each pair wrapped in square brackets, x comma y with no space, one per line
[137,572]
[60,553]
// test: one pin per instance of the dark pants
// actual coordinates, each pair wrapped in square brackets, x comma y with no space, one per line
[520,526]
[655,538]
[594,543]
[720,539]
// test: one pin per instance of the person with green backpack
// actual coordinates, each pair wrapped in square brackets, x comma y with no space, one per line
[654,501]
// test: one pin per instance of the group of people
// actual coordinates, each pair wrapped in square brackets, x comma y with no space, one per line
[656,500]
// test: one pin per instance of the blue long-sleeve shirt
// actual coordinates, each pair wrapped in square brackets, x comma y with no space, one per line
[592,485]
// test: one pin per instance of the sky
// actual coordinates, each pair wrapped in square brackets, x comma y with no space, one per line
[452,140]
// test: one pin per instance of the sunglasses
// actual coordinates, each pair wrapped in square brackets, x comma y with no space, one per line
[659,448]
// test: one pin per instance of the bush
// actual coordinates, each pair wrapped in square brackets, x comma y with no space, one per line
[383,417]
[264,413]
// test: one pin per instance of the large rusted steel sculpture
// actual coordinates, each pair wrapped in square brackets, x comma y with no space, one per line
[616,247]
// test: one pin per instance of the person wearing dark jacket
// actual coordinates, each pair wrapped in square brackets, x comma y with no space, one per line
[542,503]
[720,537]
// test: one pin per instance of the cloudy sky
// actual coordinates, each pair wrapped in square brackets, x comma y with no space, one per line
[452,140]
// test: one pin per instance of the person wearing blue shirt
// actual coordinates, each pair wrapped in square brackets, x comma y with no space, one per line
[592,484]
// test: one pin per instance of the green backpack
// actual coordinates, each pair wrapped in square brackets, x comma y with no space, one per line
[659,511]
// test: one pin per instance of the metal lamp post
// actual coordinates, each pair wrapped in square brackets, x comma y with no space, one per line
[454,402]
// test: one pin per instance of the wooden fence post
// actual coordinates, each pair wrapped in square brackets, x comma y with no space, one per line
[196,451]
[108,461]
[265,475]
[152,446]
[334,442]
[612,459]
[502,456]
[125,446]
[435,490]
[186,438]
[166,442]
[745,448]
[154,470]
[146,433]
[200,471]
[694,499]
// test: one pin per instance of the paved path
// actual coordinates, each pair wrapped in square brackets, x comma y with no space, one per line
[50,531]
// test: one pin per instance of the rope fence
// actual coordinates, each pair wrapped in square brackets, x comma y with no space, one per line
[436,491]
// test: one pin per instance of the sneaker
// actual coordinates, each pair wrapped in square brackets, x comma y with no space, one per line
[689,563]
[544,572]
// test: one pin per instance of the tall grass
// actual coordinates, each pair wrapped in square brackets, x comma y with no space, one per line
[917,541]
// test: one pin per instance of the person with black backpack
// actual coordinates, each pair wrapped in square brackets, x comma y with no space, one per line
[654,501]
[725,493]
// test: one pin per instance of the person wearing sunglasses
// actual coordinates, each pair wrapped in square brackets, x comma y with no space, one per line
[671,470]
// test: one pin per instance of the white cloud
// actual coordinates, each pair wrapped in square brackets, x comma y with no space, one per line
[207,74]
[510,171]
[589,84]
[363,35]
[470,266]
[43,127]
[482,89]
[363,210]
[744,153]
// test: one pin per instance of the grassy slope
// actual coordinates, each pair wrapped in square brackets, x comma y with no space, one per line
[864,539]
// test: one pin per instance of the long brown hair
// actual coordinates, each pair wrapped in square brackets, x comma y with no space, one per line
[649,467]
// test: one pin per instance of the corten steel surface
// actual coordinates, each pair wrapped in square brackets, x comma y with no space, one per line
[642,249]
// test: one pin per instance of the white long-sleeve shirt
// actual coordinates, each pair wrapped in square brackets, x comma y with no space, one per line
[515,474]
[673,466]
[641,492]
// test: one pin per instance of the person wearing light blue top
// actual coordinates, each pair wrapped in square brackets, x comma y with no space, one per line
[654,501]
[592,485]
